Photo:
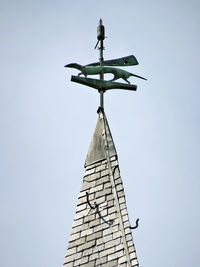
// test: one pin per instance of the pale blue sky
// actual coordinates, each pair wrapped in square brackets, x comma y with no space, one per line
[47,122]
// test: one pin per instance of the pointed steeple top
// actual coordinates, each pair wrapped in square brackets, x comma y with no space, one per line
[101,233]
[97,149]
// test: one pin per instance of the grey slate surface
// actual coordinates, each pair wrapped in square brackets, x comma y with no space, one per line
[101,234]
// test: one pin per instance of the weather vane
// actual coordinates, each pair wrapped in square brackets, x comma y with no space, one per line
[102,67]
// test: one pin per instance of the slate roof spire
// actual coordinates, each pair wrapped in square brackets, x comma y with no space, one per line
[101,234]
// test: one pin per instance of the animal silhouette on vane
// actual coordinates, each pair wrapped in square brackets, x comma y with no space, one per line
[95,70]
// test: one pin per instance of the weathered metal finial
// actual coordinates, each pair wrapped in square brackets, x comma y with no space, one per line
[100,31]
[103,67]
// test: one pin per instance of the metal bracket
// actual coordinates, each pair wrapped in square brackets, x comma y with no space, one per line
[136,226]
[88,201]
[110,222]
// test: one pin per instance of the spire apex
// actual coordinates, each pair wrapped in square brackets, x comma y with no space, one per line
[101,233]
[97,149]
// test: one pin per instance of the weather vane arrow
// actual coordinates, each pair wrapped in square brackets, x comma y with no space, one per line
[103,67]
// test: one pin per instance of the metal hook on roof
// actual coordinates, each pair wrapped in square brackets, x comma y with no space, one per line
[115,167]
[136,224]
[88,201]
[110,222]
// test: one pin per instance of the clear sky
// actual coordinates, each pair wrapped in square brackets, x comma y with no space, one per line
[47,122]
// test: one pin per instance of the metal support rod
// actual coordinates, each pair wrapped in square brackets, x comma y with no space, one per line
[101,100]
[101,36]
[101,74]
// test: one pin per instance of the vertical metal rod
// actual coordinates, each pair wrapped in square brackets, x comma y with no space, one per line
[101,100]
[101,37]
[101,74]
